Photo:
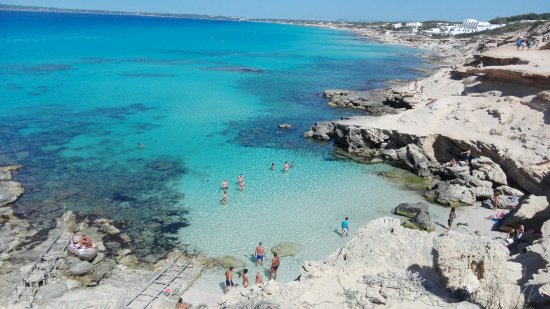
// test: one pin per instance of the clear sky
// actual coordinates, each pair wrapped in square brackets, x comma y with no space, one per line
[455,10]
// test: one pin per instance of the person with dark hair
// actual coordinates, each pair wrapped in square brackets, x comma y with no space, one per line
[181,305]
[229,279]
[345,227]
[246,282]
[274,266]
[452,216]
[496,201]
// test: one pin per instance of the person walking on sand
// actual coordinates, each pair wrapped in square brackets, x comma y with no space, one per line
[246,282]
[229,279]
[452,216]
[274,266]
[496,201]
[286,167]
[259,278]
[260,254]
[345,227]
[225,184]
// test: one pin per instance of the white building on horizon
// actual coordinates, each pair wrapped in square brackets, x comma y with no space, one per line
[468,26]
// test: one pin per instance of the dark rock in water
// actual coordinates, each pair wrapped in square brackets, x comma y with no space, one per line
[410,210]
[285,126]
[161,166]
[422,221]
[369,101]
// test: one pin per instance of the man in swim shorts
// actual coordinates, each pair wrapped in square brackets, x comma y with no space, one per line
[260,254]
[229,279]
[274,266]
[345,227]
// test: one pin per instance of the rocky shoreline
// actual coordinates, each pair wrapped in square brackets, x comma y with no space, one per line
[499,112]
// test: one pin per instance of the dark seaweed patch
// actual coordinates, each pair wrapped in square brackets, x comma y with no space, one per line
[135,192]
[148,75]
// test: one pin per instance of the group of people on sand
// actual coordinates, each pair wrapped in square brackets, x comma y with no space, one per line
[260,256]
[525,42]
[225,187]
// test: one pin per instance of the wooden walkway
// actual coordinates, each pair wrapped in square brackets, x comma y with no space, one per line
[39,273]
[178,276]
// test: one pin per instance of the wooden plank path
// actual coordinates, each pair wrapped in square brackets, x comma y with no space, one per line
[178,276]
[39,273]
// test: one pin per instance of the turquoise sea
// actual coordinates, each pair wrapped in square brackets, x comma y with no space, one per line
[205,98]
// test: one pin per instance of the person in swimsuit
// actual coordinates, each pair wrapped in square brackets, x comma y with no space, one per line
[452,216]
[345,227]
[260,254]
[181,305]
[241,185]
[246,283]
[259,278]
[291,164]
[274,266]
[496,201]
[241,178]
[224,197]
[229,279]
[273,166]
[286,167]
[225,184]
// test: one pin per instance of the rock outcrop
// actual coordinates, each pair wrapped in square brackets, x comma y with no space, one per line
[383,265]
[475,269]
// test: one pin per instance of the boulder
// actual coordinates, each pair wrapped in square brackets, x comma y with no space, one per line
[227,261]
[472,267]
[9,192]
[422,221]
[321,131]
[72,284]
[409,209]
[130,261]
[532,212]
[80,268]
[50,291]
[88,255]
[486,169]
[451,194]
[286,249]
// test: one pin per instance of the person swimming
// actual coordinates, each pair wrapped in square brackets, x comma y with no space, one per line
[225,184]
[140,145]
[286,167]
[224,197]
[241,185]
[291,164]
[241,178]
[273,166]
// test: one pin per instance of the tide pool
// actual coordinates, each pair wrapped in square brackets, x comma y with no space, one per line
[78,92]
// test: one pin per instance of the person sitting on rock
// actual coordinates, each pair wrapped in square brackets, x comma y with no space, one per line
[511,236]
[86,242]
[75,241]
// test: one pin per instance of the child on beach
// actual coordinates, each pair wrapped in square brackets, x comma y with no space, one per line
[345,227]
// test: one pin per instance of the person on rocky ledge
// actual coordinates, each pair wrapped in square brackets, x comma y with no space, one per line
[452,216]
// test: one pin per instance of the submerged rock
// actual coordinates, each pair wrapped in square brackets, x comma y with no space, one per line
[227,261]
[286,249]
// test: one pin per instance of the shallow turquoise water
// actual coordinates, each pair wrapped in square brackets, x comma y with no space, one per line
[78,92]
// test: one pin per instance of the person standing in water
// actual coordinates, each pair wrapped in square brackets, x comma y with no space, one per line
[246,282]
[225,184]
[291,164]
[452,216]
[259,278]
[274,266]
[273,166]
[286,167]
[241,178]
[345,227]
[224,197]
[229,279]
[260,254]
